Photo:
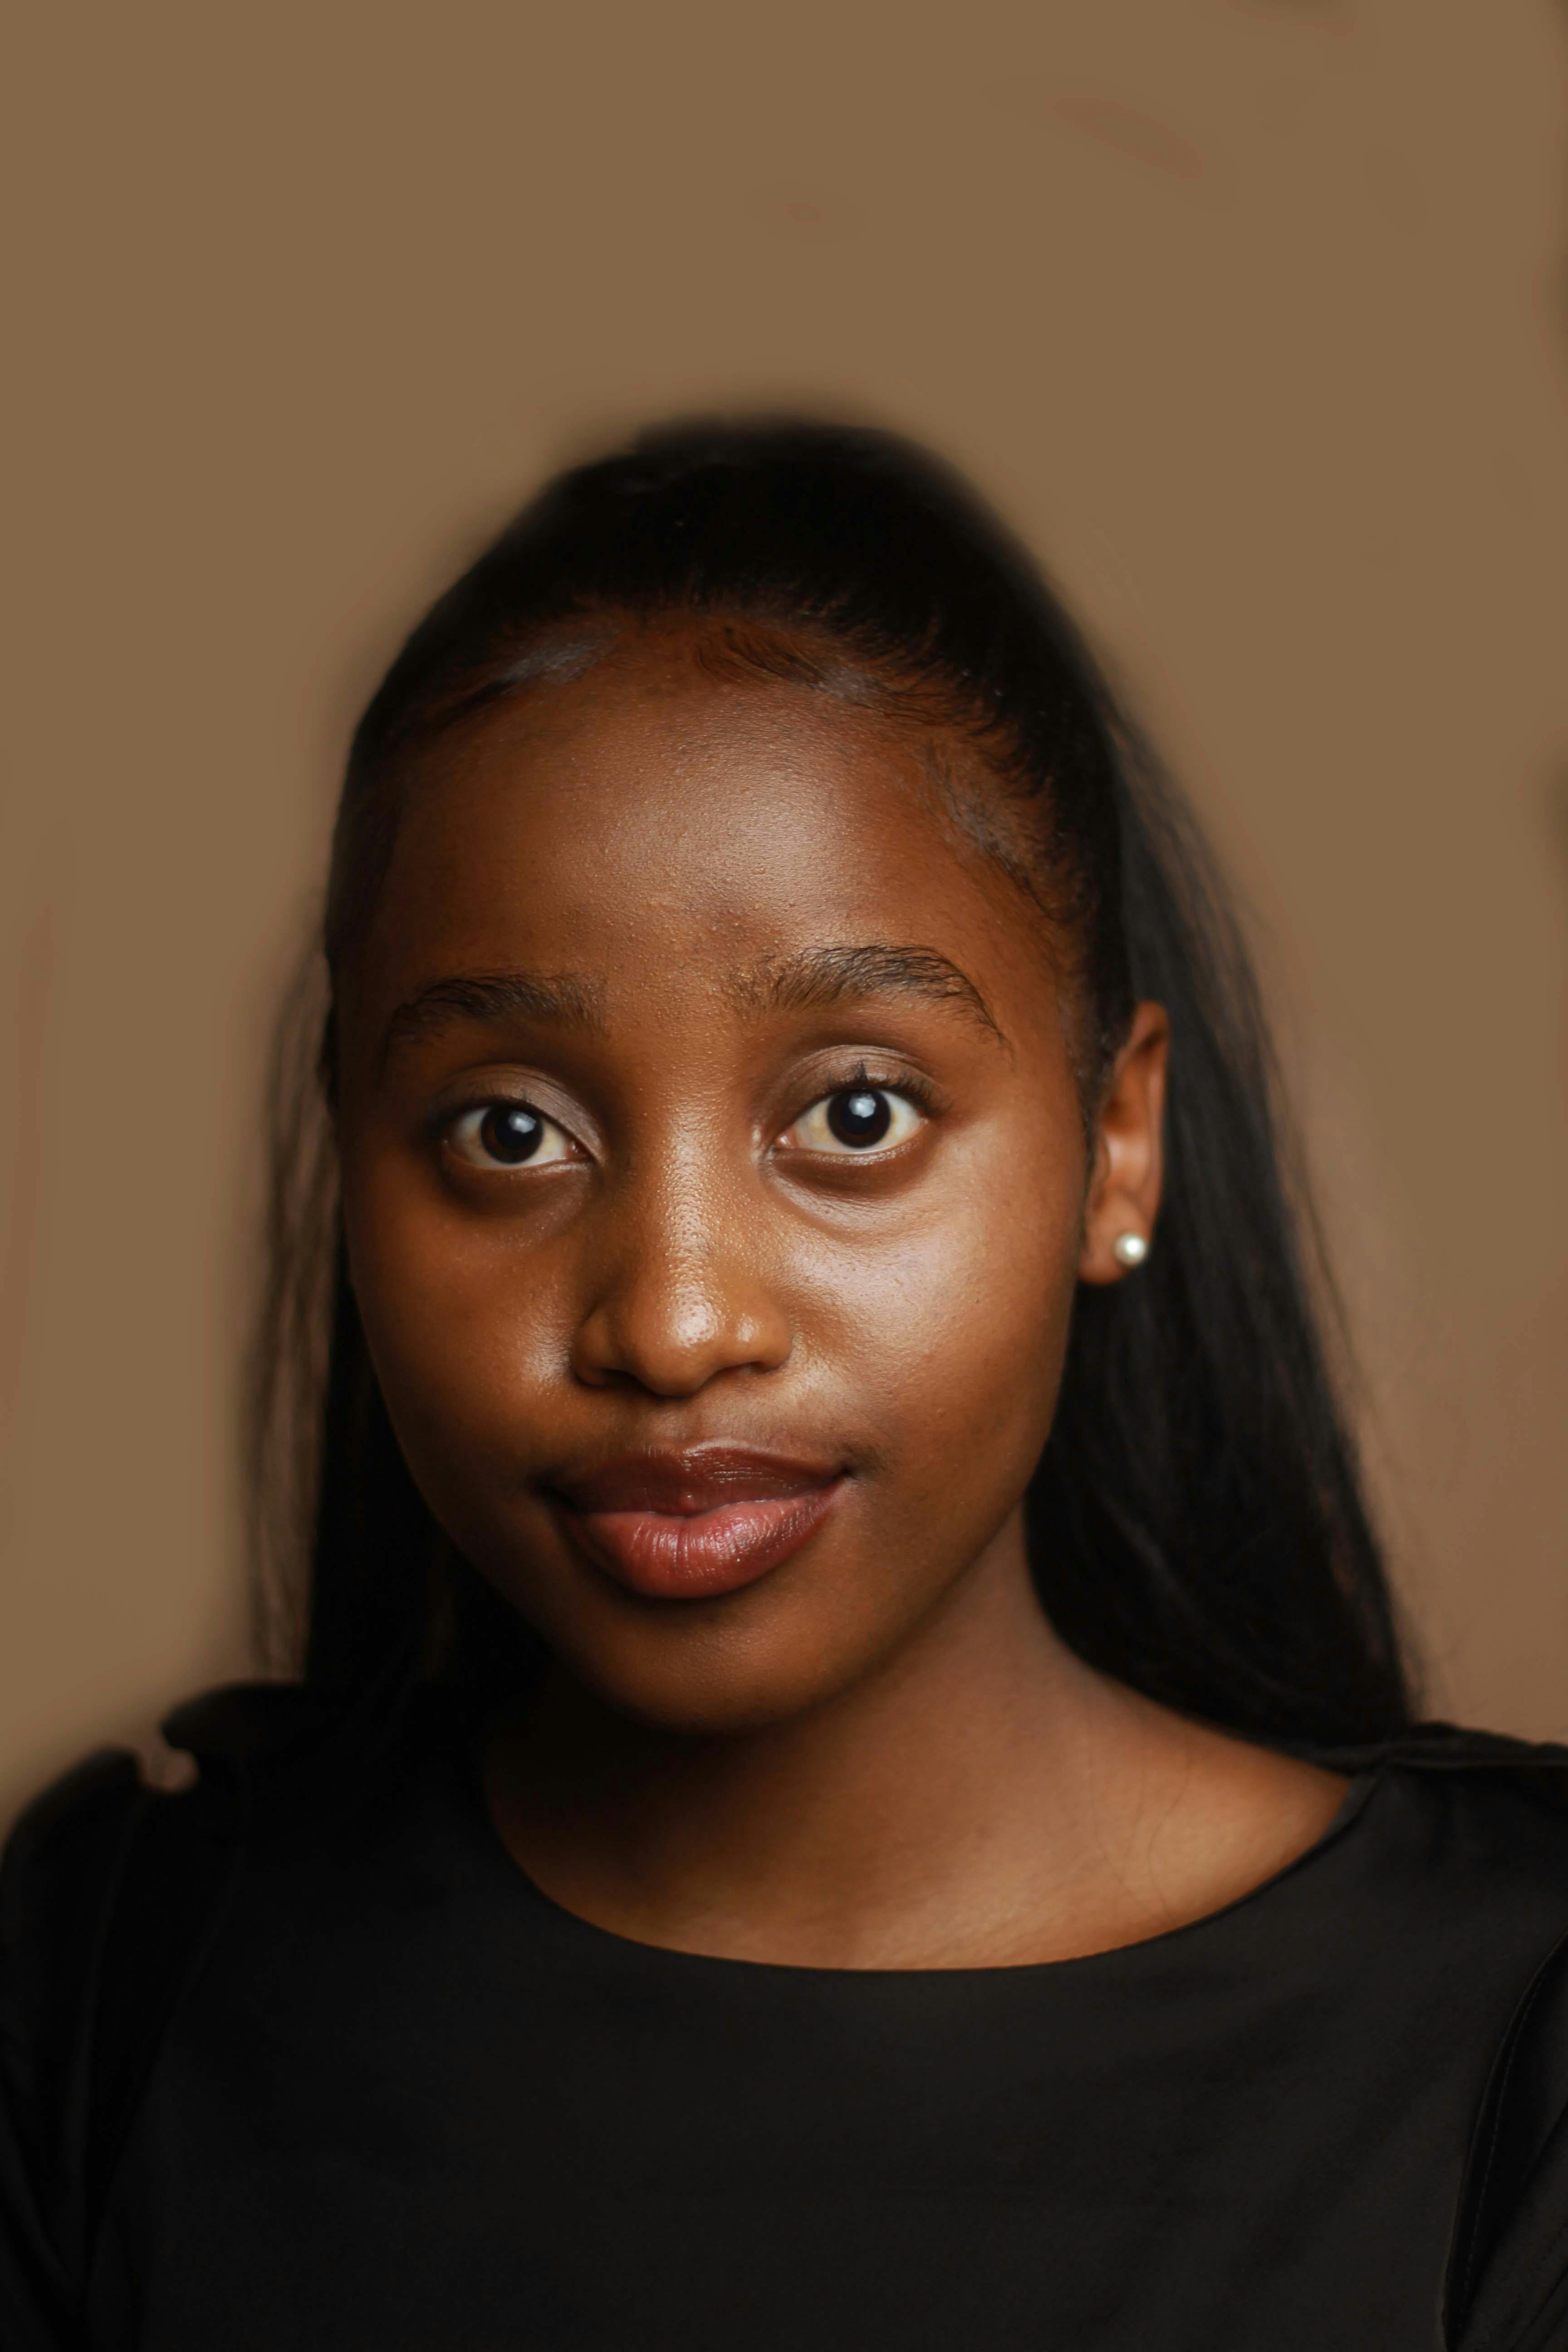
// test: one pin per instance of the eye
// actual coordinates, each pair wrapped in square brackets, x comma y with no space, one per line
[508,1135]
[858,1118]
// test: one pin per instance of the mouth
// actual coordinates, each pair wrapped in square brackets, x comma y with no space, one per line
[693,1524]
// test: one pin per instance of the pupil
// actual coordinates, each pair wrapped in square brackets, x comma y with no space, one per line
[510,1132]
[860,1117]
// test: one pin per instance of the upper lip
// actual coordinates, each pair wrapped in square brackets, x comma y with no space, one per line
[685,1480]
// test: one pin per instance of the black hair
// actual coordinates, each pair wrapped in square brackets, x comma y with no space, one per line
[1197,1522]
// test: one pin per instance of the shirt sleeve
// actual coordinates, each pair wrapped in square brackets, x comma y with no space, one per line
[57,1878]
[1521,2300]
[1508,2286]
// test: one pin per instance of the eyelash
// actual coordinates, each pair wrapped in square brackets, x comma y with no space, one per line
[914,1094]
[912,1087]
[908,1085]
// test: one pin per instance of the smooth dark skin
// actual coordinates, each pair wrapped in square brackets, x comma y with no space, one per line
[879,1755]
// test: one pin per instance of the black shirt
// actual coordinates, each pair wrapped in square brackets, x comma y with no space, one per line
[407,2102]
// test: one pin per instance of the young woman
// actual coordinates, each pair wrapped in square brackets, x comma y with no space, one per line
[852,1783]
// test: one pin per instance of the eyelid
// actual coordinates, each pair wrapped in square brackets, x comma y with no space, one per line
[446,1123]
[908,1086]
[501,1089]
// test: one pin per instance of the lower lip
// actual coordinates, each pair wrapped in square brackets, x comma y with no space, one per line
[669,1557]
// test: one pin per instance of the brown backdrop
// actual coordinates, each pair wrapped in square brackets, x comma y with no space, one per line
[1250,310]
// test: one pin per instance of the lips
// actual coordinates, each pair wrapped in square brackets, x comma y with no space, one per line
[690,1524]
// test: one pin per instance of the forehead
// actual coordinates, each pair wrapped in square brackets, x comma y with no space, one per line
[655,824]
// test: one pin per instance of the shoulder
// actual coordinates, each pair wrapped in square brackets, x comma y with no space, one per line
[60,1868]
[255,1748]
[100,1850]
[108,1892]
[66,1849]
[1486,1808]
[1467,1836]
[1499,1816]
[58,1876]
[1475,1845]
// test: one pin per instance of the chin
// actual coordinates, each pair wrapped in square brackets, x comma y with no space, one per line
[712,1684]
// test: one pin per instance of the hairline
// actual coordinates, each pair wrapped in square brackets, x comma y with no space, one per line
[563,648]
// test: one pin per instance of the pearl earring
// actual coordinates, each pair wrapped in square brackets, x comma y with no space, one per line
[1130,1249]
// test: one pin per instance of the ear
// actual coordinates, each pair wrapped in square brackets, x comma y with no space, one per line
[1126,1167]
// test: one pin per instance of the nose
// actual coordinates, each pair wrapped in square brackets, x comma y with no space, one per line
[681,1290]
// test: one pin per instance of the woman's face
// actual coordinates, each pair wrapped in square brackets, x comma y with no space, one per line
[715,1180]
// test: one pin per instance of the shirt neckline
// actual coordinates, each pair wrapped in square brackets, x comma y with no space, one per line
[1142,1950]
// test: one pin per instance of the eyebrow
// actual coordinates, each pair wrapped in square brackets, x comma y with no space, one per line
[817,978]
[569,999]
[812,980]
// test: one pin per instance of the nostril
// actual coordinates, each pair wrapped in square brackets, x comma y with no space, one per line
[672,1343]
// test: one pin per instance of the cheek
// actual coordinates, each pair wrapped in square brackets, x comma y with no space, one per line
[957,1334]
[465,1326]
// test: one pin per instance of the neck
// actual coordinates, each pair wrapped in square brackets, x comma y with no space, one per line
[982,1798]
